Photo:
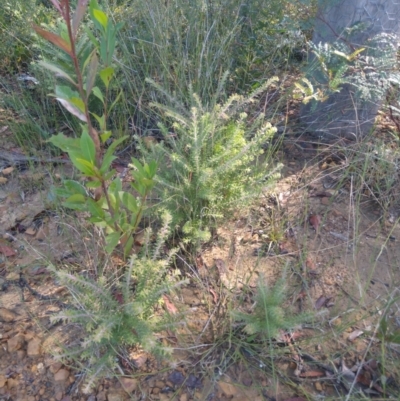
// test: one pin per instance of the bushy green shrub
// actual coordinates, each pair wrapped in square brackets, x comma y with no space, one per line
[119,313]
[268,316]
[211,160]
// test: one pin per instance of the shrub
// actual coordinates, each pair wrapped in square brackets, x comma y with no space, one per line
[121,313]
[212,161]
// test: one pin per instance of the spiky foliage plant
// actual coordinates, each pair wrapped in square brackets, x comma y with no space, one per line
[268,315]
[211,158]
[116,313]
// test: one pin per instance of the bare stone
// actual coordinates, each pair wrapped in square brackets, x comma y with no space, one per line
[3,381]
[34,347]
[12,383]
[55,367]
[15,343]
[61,375]
[7,315]
[129,384]
[21,354]
[160,384]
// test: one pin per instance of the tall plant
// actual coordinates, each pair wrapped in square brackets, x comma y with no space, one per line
[118,211]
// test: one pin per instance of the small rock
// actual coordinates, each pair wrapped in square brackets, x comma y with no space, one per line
[139,360]
[155,391]
[12,383]
[164,397]
[3,381]
[42,390]
[176,378]
[61,375]
[41,368]
[66,398]
[129,384]
[7,315]
[34,347]
[55,367]
[102,396]
[15,343]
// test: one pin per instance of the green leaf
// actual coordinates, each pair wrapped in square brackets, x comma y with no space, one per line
[128,246]
[105,136]
[130,202]
[91,75]
[95,209]
[64,143]
[58,71]
[73,109]
[83,165]
[87,147]
[115,101]
[112,241]
[101,17]
[74,187]
[101,120]
[98,94]
[93,184]
[107,160]
[106,75]
[109,154]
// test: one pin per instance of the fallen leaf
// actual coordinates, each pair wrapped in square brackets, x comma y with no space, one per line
[215,296]
[312,373]
[30,231]
[171,308]
[7,251]
[354,335]
[320,302]
[315,221]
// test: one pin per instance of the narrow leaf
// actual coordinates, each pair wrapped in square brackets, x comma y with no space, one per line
[79,13]
[111,242]
[87,147]
[101,17]
[53,38]
[91,76]
[98,94]
[58,71]
[73,109]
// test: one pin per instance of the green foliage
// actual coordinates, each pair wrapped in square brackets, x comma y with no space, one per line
[211,159]
[16,16]
[369,69]
[119,314]
[268,316]
[113,209]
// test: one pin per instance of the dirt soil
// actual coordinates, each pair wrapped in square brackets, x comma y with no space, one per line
[341,259]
